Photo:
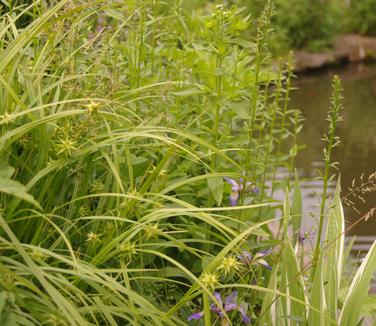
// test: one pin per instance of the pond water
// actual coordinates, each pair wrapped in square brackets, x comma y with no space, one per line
[357,151]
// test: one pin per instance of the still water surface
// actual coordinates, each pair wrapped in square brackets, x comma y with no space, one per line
[357,151]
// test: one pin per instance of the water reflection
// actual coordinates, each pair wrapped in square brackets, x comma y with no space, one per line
[357,151]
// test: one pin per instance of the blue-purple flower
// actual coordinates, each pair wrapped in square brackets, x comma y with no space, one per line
[220,309]
[303,236]
[247,259]
[237,187]
[196,315]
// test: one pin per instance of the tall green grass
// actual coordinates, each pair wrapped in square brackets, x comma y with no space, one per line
[120,121]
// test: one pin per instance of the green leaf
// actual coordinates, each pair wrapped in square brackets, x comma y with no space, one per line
[206,261]
[115,14]
[318,297]
[296,209]
[335,238]
[3,300]
[173,272]
[268,313]
[244,43]
[17,189]
[286,214]
[291,266]
[348,248]
[187,92]
[6,171]
[241,111]
[358,289]
[216,188]
[9,315]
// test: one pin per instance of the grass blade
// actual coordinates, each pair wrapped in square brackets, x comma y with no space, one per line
[358,289]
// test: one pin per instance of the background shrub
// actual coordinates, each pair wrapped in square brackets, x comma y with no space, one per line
[307,24]
[362,16]
[300,24]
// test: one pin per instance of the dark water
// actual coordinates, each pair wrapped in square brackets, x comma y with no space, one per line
[357,151]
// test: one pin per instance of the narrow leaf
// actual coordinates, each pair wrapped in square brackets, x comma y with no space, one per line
[268,309]
[335,239]
[296,209]
[6,171]
[17,189]
[292,269]
[318,297]
[358,289]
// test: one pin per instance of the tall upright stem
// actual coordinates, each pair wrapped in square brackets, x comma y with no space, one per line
[332,140]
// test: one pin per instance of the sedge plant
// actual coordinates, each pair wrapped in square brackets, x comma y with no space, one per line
[125,126]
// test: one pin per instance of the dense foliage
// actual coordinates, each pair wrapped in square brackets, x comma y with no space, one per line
[301,24]
[362,16]
[141,146]
[308,24]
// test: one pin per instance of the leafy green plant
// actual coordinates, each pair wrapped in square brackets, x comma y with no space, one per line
[297,24]
[362,17]
[119,123]
[139,147]
[308,24]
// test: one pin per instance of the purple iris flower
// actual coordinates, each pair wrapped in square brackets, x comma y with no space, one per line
[230,303]
[247,259]
[220,309]
[196,315]
[236,188]
[245,318]
[302,236]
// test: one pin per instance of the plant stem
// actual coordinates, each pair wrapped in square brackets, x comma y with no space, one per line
[332,140]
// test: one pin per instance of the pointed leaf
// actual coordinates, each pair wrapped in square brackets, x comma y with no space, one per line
[268,310]
[358,289]
[318,297]
[333,251]
[6,171]
[216,188]
[296,209]
[17,189]
[292,270]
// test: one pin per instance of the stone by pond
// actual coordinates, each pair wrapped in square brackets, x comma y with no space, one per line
[349,47]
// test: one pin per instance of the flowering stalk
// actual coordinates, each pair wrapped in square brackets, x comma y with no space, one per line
[263,31]
[332,140]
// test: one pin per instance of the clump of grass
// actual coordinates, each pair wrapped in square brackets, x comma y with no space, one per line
[124,128]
